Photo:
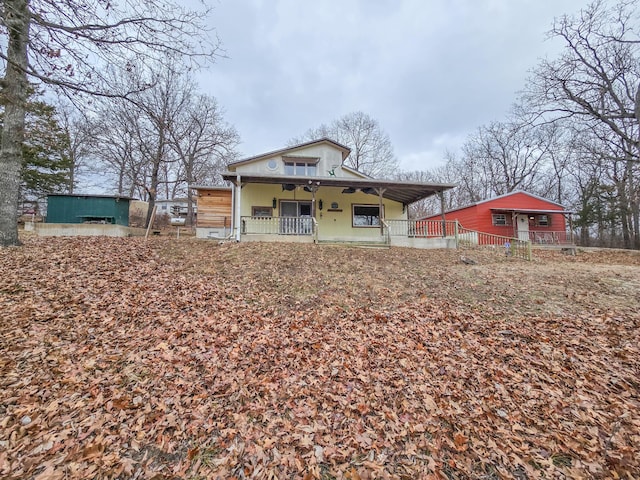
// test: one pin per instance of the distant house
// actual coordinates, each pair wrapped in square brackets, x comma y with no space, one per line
[305,193]
[517,214]
[175,208]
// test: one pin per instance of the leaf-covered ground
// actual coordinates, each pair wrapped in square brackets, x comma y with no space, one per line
[167,359]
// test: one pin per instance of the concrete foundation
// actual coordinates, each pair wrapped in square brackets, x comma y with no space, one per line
[86,230]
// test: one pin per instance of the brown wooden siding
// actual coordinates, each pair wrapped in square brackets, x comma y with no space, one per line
[214,208]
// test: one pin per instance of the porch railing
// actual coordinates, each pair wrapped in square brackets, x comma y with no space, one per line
[551,238]
[421,228]
[278,225]
[514,247]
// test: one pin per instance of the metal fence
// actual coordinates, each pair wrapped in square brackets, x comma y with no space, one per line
[510,246]
[551,238]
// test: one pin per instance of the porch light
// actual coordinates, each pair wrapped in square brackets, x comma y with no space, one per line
[274,202]
[320,204]
[334,205]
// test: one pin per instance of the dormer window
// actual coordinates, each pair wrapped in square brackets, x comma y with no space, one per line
[301,167]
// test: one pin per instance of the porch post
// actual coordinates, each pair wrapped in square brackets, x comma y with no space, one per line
[444,218]
[381,210]
[570,217]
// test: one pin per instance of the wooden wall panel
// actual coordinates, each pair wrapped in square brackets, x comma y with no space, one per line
[214,208]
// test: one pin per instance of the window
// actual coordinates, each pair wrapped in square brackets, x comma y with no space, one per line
[295,218]
[366,215]
[261,211]
[499,219]
[544,220]
[300,168]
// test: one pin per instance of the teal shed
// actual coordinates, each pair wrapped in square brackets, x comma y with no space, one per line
[73,208]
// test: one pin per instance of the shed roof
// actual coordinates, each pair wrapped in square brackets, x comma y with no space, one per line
[90,195]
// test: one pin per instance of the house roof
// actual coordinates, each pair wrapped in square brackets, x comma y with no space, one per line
[345,151]
[399,191]
[507,209]
[515,192]
[528,210]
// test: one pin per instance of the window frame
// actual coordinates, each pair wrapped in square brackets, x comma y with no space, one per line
[547,222]
[256,208]
[366,205]
[300,167]
[494,220]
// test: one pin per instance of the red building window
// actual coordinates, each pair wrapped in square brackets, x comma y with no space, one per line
[499,219]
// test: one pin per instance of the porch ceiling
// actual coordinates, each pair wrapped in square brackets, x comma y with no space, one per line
[399,191]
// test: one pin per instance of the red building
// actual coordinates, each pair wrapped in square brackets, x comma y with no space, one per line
[516,214]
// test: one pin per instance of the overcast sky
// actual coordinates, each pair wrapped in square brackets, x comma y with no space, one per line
[429,71]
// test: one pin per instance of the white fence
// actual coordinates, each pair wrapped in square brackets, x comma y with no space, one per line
[278,225]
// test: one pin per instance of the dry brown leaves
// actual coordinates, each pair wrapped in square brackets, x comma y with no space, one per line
[122,359]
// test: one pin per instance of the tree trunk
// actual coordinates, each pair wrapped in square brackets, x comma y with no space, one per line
[13,95]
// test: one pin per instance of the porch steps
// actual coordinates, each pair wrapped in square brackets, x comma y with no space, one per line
[357,244]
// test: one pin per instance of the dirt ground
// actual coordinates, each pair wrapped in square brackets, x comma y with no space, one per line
[594,280]
[166,359]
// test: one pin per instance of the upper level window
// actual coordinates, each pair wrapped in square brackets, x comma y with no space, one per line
[302,168]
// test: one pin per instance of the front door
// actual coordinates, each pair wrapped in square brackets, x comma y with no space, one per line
[295,218]
[522,222]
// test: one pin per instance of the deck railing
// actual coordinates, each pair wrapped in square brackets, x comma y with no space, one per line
[510,246]
[551,238]
[407,228]
[278,225]
[421,228]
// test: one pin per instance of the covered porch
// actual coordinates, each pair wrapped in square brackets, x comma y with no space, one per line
[538,226]
[326,209]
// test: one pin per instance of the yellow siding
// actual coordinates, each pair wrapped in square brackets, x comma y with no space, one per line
[332,223]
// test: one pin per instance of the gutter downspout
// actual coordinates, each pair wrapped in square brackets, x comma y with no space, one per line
[238,190]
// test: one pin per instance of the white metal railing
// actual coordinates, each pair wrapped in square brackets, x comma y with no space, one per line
[551,238]
[278,225]
[421,228]
[514,247]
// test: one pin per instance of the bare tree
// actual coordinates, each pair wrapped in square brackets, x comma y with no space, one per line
[204,143]
[66,43]
[371,147]
[596,76]
[115,147]
[595,83]
[167,138]
[78,131]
